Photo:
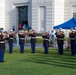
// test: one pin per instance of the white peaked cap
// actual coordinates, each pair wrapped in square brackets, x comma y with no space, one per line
[11,30]
[33,29]
[22,30]
[3,31]
[72,29]
[75,28]
[60,28]
[19,31]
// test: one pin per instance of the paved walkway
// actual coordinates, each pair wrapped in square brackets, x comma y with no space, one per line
[39,45]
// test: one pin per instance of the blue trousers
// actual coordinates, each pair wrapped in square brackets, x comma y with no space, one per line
[73,48]
[60,48]
[45,48]
[10,47]
[2,51]
[22,48]
[33,47]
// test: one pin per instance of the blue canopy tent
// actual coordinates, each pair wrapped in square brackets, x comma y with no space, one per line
[67,25]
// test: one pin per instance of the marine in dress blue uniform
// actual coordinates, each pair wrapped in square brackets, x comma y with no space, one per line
[60,41]
[21,41]
[32,34]
[10,41]
[2,46]
[72,42]
[46,37]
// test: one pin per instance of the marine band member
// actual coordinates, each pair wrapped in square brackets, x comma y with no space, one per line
[2,46]
[32,34]
[60,41]
[21,41]
[72,42]
[46,37]
[10,41]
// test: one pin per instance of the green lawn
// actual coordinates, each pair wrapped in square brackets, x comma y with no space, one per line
[38,63]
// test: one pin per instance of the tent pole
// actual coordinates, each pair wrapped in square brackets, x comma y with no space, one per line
[66,36]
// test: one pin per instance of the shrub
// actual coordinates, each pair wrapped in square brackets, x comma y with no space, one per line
[39,40]
[39,34]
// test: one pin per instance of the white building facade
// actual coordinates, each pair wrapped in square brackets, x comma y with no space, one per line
[41,15]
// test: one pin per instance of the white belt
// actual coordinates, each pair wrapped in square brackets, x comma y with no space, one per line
[33,37]
[46,39]
[2,42]
[60,39]
[10,38]
[72,38]
[22,38]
